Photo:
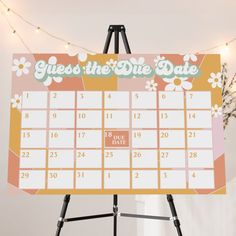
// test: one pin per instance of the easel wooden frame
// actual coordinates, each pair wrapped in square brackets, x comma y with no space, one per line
[117,30]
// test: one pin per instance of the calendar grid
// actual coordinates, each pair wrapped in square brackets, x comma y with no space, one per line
[137,172]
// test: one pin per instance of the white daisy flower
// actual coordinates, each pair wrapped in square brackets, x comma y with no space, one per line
[158,58]
[21,66]
[177,84]
[112,63]
[151,85]
[188,57]
[215,80]
[16,101]
[216,111]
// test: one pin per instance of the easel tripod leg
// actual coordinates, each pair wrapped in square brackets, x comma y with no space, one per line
[174,214]
[60,222]
[115,211]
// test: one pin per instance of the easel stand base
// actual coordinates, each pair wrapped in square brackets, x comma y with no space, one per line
[115,214]
[117,30]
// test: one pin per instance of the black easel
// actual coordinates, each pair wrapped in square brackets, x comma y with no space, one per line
[117,30]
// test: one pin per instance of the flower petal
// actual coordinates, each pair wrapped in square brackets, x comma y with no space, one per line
[15,68]
[193,57]
[82,56]
[187,85]
[48,81]
[141,60]
[19,73]
[168,80]
[27,64]
[213,85]
[25,71]
[186,57]
[16,62]
[133,60]
[170,87]
[58,79]
[22,60]
[178,88]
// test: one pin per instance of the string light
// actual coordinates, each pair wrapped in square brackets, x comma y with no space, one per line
[224,47]
[44,30]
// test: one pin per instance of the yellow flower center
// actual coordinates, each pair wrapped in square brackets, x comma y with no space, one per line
[216,80]
[21,66]
[18,101]
[177,82]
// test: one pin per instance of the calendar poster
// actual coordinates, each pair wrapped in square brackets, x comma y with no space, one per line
[116,124]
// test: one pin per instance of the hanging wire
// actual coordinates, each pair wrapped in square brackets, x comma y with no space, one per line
[68,43]
[44,30]
[16,32]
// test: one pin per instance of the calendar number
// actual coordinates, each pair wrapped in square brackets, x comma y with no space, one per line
[24,175]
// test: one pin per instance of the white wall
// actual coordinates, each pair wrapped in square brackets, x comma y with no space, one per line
[152,26]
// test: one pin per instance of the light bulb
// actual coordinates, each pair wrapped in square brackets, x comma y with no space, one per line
[225,49]
[67,45]
[8,11]
[37,29]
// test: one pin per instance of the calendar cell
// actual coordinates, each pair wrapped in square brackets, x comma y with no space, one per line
[199,119]
[144,119]
[116,138]
[89,119]
[89,139]
[116,179]
[62,100]
[116,158]
[34,100]
[173,100]
[88,179]
[145,179]
[33,139]
[199,138]
[144,139]
[201,179]
[116,100]
[171,119]
[32,179]
[61,138]
[172,158]
[144,100]
[173,179]
[89,100]
[88,159]
[200,159]
[144,158]
[34,119]
[198,100]
[62,119]
[61,179]
[60,158]
[172,138]
[33,158]
[116,119]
